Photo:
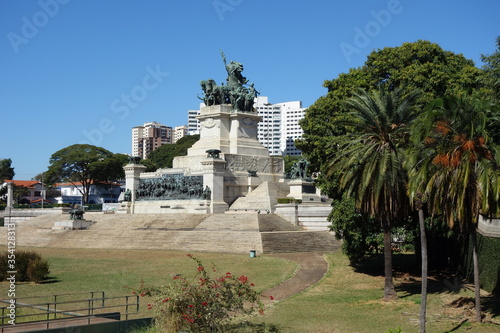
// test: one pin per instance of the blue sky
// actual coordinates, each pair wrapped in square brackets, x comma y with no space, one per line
[87,71]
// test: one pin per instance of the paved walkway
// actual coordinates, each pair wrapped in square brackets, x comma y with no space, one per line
[313,267]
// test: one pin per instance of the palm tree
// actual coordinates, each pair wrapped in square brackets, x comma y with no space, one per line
[458,170]
[369,161]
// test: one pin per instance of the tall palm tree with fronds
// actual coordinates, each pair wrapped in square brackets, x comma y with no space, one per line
[458,169]
[369,161]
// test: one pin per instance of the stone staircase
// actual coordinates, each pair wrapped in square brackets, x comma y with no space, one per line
[263,198]
[234,232]
[299,241]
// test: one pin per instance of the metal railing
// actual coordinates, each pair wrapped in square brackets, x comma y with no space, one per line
[51,309]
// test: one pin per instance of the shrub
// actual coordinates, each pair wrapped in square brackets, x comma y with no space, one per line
[38,270]
[206,305]
[29,265]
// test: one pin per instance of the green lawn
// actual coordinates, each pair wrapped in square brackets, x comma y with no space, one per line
[350,301]
[117,271]
[345,300]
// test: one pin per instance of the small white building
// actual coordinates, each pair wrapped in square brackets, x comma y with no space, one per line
[72,193]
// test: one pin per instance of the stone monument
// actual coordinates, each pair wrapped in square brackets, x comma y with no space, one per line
[215,171]
[75,221]
[301,185]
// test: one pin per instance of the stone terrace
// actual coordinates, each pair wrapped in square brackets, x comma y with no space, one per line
[235,232]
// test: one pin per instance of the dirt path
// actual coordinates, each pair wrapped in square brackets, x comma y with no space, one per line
[313,267]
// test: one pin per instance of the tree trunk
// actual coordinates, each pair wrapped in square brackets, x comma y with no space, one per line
[389,291]
[477,289]
[423,245]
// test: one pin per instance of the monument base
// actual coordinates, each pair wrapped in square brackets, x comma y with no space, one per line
[304,190]
[72,225]
[218,207]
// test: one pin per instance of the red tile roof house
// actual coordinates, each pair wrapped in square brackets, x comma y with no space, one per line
[34,188]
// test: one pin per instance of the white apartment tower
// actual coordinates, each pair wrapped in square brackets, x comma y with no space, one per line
[148,137]
[193,123]
[179,132]
[279,127]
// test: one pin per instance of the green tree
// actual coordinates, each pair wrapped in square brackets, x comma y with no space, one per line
[369,160]
[491,69]
[422,66]
[360,234]
[6,170]
[458,167]
[84,164]
[164,155]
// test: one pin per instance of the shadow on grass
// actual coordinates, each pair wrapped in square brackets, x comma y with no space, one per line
[50,280]
[491,304]
[402,264]
[407,274]
[249,327]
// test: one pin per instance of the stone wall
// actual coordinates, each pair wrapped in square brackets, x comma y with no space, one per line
[309,216]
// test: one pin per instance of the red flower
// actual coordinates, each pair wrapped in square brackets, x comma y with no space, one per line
[243,279]
[252,285]
[200,269]
[191,305]
[166,300]
[204,303]
[271,297]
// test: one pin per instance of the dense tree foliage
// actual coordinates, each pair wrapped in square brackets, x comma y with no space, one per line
[85,164]
[163,156]
[360,234]
[492,71]
[456,165]
[420,66]
[6,170]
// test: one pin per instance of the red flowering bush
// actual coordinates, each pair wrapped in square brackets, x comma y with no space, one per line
[206,304]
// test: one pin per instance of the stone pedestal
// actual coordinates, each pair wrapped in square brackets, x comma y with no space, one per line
[231,132]
[132,176]
[253,182]
[72,225]
[304,190]
[10,199]
[213,177]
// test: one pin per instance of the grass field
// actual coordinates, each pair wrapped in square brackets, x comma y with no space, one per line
[346,299]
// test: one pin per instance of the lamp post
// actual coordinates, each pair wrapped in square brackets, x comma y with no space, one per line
[42,192]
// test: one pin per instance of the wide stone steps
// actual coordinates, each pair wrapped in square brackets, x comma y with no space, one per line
[272,222]
[299,241]
[237,232]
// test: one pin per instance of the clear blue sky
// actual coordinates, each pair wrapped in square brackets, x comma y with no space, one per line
[74,71]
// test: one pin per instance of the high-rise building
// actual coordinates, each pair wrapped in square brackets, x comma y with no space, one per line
[149,137]
[279,127]
[180,132]
[193,123]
